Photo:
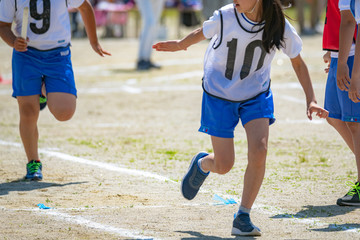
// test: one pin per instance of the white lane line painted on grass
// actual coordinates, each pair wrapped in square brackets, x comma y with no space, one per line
[138,90]
[116,87]
[262,208]
[89,70]
[94,225]
[101,165]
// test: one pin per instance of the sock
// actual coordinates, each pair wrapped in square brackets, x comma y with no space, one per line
[244,210]
[199,165]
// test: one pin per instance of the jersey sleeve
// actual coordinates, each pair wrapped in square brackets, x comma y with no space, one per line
[344,5]
[357,11]
[212,26]
[7,11]
[75,3]
[292,42]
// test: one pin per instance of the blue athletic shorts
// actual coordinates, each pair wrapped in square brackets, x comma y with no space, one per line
[31,67]
[220,117]
[337,102]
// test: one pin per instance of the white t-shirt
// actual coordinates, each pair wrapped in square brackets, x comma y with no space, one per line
[48,25]
[236,67]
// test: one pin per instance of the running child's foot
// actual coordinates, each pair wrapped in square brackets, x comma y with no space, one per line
[352,197]
[194,178]
[43,99]
[33,170]
[43,102]
[242,226]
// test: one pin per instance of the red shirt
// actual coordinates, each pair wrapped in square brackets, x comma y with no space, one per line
[332,26]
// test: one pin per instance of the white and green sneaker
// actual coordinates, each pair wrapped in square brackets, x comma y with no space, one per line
[352,197]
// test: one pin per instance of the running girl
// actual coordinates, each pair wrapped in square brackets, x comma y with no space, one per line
[43,57]
[244,38]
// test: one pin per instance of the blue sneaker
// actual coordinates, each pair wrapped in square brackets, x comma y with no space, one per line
[242,226]
[194,178]
[33,170]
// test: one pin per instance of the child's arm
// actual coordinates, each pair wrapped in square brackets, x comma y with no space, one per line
[87,14]
[347,27]
[177,45]
[354,89]
[303,76]
[8,36]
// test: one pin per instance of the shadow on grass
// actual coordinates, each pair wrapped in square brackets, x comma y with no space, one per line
[197,235]
[324,212]
[311,211]
[339,227]
[26,186]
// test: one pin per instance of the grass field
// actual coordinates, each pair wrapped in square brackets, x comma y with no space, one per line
[114,170]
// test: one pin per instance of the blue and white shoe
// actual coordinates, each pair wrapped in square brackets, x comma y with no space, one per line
[242,226]
[194,177]
[33,171]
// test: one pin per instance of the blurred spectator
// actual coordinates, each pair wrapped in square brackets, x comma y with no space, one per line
[150,11]
[188,12]
[211,5]
[316,8]
[113,15]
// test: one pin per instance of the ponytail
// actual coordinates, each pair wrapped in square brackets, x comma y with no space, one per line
[274,18]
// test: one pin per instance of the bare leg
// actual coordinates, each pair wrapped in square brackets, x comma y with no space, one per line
[342,128]
[355,131]
[300,14]
[222,160]
[61,105]
[29,113]
[257,132]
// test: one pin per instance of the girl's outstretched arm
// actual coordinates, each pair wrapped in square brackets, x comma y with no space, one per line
[303,76]
[87,14]
[177,45]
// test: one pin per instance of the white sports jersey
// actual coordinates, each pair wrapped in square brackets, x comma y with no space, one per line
[236,66]
[345,4]
[357,11]
[48,25]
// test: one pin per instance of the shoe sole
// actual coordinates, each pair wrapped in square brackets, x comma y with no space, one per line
[187,173]
[237,232]
[348,204]
[33,179]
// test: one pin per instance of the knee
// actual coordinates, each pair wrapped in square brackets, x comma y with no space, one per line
[223,166]
[63,114]
[257,155]
[29,112]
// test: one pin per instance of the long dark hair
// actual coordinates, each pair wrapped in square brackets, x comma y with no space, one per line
[274,28]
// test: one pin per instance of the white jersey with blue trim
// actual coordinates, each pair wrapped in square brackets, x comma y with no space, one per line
[357,11]
[48,25]
[346,5]
[236,66]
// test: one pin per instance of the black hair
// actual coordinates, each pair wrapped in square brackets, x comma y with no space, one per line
[274,18]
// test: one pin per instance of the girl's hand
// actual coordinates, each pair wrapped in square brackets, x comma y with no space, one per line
[327,59]
[99,50]
[354,90]
[20,44]
[342,77]
[320,112]
[169,46]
